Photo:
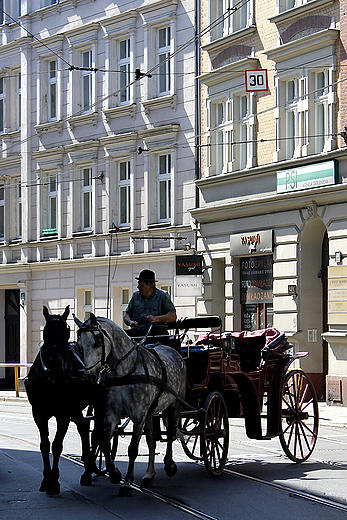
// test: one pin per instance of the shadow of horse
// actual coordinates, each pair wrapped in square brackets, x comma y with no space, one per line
[56,388]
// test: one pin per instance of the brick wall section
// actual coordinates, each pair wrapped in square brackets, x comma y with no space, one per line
[318,22]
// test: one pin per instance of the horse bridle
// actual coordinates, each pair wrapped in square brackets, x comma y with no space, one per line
[99,337]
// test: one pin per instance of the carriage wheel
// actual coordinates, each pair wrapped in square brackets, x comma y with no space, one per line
[215,434]
[299,416]
[190,438]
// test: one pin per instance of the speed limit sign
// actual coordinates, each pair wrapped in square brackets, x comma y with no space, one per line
[256,80]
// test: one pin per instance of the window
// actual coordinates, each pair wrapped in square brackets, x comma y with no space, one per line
[2,212]
[87,303]
[50,2]
[52,90]
[285,5]
[291,110]
[86,199]
[125,297]
[2,12]
[2,105]
[229,16]
[231,134]
[164,188]
[124,193]
[86,81]
[50,204]
[163,54]
[124,67]
[19,99]
[321,110]
[166,287]
[19,209]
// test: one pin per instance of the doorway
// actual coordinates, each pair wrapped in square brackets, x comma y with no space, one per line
[12,348]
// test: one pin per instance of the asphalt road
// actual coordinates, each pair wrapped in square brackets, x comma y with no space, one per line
[258,482]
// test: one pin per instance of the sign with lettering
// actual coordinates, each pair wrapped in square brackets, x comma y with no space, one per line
[306,177]
[188,286]
[256,279]
[189,265]
[337,292]
[251,242]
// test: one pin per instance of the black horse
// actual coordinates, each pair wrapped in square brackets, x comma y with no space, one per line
[55,388]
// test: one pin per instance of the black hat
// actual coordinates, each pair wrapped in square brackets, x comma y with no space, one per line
[146,276]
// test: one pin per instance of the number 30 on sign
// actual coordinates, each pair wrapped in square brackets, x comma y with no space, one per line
[256,80]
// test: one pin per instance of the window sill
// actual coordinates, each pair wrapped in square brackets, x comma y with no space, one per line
[229,39]
[299,11]
[50,126]
[77,234]
[83,119]
[160,102]
[122,110]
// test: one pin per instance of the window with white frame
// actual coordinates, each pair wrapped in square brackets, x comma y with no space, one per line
[52,90]
[163,60]
[50,204]
[230,135]
[50,2]
[2,212]
[165,287]
[124,67]
[321,110]
[124,193]
[291,117]
[124,300]
[2,105]
[19,99]
[285,5]
[229,16]
[87,303]
[164,187]
[19,209]
[86,81]
[86,203]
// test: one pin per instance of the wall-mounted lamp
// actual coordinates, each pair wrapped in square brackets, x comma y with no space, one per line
[292,290]
[338,257]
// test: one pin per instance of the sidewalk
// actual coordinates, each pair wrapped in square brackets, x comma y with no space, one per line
[329,415]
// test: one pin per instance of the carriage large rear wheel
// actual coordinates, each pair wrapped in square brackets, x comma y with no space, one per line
[299,416]
[215,434]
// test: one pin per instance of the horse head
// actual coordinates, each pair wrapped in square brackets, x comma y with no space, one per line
[97,339]
[56,335]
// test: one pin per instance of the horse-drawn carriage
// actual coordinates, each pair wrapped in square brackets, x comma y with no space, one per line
[194,388]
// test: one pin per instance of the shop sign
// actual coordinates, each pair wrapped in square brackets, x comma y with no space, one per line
[189,265]
[307,177]
[337,295]
[256,279]
[251,242]
[188,286]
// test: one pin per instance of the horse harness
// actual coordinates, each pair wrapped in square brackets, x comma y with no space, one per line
[107,380]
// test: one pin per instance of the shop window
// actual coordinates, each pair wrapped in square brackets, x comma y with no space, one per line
[256,297]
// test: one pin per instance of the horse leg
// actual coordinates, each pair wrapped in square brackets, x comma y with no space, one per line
[149,478]
[125,489]
[171,419]
[83,429]
[114,474]
[57,448]
[42,425]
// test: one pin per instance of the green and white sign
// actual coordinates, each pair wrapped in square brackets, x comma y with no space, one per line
[306,177]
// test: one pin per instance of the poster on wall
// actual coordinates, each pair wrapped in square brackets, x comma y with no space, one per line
[256,279]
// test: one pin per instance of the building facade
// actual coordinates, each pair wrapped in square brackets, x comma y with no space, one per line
[271,216]
[97,157]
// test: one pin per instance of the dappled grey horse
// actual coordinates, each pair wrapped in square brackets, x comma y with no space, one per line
[138,382]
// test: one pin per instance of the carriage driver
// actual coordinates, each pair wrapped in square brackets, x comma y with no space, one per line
[149,306]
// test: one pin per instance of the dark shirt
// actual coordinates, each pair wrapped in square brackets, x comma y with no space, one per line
[157,304]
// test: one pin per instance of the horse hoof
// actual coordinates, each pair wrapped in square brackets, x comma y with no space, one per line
[125,491]
[86,480]
[44,485]
[170,469]
[115,476]
[147,483]
[53,490]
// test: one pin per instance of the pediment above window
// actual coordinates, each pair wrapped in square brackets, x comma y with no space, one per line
[85,152]
[120,111]
[83,119]
[244,33]
[300,10]
[160,102]
[305,27]
[120,24]
[51,126]
[228,72]
[305,45]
